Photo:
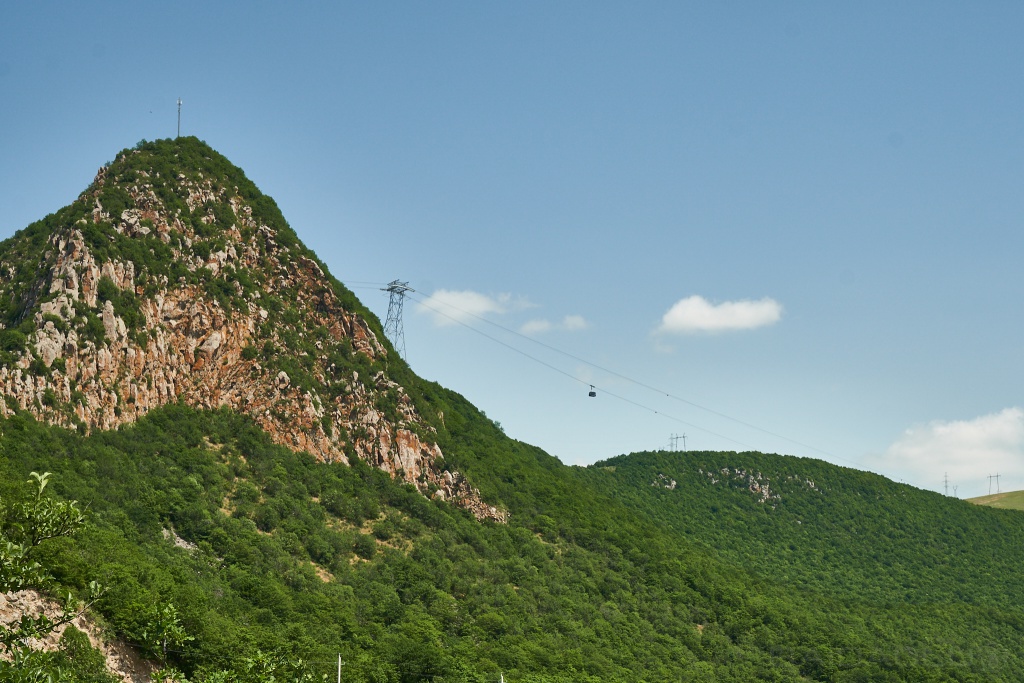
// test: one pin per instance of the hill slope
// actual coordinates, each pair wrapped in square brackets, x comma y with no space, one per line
[844,532]
[255,456]
[264,550]
[1011,500]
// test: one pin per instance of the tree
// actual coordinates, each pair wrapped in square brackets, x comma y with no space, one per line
[24,526]
[164,630]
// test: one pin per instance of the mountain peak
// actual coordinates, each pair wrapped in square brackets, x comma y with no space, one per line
[173,278]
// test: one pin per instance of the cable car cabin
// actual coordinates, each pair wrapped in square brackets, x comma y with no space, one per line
[592,393]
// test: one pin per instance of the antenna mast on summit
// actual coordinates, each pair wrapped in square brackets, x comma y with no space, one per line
[393,328]
[179,118]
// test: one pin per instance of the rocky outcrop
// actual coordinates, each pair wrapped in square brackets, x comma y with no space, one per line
[122,661]
[248,324]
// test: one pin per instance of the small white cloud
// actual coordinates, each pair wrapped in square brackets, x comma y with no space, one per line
[449,307]
[967,450]
[510,302]
[574,322]
[535,326]
[570,323]
[697,314]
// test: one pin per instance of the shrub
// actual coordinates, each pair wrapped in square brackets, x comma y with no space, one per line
[12,340]
[365,546]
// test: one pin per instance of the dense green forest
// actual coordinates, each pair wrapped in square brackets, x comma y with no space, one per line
[286,559]
[841,531]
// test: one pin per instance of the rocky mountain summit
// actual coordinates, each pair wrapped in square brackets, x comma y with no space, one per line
[172,278]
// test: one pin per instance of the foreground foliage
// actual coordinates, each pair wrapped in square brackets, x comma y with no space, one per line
[26,522]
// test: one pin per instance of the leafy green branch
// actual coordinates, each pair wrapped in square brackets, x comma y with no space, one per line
[24,527]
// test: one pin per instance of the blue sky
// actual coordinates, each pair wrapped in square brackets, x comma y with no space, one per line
[804,217]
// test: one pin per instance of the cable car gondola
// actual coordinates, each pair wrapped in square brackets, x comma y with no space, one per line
[592,393]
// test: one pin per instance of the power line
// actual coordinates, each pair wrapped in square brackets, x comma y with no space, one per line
[638,382]
[577,379]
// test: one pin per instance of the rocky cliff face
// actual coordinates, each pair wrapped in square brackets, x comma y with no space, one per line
[172,279]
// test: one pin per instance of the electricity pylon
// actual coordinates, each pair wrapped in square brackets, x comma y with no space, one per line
[393,329]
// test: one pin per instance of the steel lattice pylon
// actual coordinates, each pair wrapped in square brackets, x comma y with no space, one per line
[393,329]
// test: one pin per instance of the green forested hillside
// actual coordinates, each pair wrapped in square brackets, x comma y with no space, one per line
[841,531]
[305,560]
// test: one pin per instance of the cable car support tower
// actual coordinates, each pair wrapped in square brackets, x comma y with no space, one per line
[393,329]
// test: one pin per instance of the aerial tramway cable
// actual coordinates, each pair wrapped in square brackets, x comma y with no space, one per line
[577,379]
[632,380]
[423,301]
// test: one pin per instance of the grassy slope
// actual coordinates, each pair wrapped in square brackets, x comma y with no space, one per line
[1011,500]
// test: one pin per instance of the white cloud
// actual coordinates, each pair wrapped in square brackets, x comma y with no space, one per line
[570,323]
[449,307]
[967,450]
[535,326]
[574,322]
[697,314]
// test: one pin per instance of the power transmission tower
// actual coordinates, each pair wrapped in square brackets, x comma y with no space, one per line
[393,328]
[945,482]
[179,118]
[674,442]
